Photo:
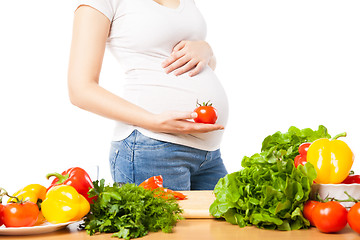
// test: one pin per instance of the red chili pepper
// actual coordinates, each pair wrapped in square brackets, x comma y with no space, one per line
[156,183]
[152,183]
[168,193]
[75,177]
[352,179]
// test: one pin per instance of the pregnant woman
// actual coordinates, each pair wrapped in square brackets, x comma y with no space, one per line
[168,68]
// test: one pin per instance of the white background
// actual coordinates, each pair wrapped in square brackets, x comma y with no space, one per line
[282,63]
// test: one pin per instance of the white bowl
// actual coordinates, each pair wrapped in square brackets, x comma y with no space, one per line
[336,191]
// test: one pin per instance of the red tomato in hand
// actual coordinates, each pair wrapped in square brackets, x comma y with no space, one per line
[206,113]
[308,211]
[20,214]
[353,217]
[329,216]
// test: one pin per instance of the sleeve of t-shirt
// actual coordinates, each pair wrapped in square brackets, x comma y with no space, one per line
[104,6]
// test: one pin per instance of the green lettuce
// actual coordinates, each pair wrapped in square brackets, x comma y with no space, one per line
[269,192]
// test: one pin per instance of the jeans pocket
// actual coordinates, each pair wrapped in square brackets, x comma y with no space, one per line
[121,163]
[114,152]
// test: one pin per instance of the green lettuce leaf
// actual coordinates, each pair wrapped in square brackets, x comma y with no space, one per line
[269,192]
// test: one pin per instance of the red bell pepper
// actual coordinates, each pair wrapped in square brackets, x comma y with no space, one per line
[301,158]
[351,179]
[75,177]
[156,183]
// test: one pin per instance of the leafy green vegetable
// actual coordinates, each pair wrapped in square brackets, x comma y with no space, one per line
[129,211]
[269,192]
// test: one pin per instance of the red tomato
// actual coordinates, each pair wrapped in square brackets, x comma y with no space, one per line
[353,217]
[1,213]
[20,214]
[303,148]
[206,114]
[308,211]
[299,159]
[329,216]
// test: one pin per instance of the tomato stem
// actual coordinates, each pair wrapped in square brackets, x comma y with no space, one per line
[339,135]
[5,193]
[208,103]
[327,198]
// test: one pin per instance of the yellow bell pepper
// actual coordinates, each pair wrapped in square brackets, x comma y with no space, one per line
[63,204]
[332,159]
[34,193]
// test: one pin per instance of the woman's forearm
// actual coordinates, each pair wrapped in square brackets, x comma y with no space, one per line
[96,99]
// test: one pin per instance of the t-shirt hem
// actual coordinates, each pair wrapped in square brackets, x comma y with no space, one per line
[166,138]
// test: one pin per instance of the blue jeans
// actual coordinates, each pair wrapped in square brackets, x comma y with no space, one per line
[138,158]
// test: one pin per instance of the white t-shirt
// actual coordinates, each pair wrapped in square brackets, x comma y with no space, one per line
[142,35]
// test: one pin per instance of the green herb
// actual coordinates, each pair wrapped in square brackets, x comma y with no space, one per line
[129,211]
[269,192]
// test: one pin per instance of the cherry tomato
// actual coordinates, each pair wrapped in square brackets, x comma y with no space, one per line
[206,114]
[303,148]
[329,216]
[352,179]
[299,159]
[308,211]
[353,217]
[20,214]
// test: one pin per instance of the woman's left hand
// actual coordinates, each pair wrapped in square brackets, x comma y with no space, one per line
[188,56]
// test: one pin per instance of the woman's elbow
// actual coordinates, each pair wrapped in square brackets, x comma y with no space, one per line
[74,93]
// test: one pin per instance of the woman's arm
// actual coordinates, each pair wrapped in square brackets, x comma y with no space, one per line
[90,31]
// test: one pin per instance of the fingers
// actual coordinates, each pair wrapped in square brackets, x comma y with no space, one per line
[183,115]
[188,56]
[180,124]
[179,46]
[197,69]
[176,65]
[168,63]
[186,67]
[201,127]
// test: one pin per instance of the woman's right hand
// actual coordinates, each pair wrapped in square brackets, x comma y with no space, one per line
[180,122]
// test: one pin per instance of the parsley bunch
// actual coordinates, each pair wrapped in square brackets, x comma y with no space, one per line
[129,211]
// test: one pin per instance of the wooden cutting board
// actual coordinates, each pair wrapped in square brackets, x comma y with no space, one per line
[197,204]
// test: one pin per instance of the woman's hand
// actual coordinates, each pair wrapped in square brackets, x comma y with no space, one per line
[178,122]
[189,56]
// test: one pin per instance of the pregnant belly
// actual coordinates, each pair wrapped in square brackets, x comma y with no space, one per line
[158,92]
